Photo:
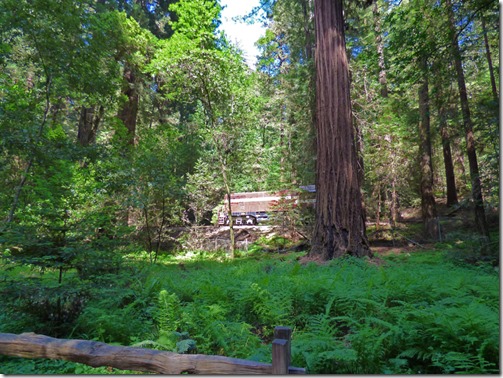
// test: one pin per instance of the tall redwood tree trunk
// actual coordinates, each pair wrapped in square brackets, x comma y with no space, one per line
[340,224]
[480,217]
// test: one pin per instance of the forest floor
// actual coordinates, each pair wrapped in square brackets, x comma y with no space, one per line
[405,237]
[407,233]
[230,308]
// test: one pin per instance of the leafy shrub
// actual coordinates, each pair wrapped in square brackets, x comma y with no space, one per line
[110,324]
[43,307]
[214,333]
[467,248]
[91,263]
[39,366]
[15,365]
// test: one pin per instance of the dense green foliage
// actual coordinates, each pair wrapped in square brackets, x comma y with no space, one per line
[415,313]
[148,114]
[121,121]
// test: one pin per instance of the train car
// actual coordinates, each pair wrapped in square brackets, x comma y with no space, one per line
[251,208]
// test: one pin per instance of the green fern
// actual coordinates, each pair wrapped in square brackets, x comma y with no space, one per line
[168,311]
[167,316]
[215,334]
[348,317]
[320,349]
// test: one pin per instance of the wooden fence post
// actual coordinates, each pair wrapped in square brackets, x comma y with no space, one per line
[281,350]
[280,356]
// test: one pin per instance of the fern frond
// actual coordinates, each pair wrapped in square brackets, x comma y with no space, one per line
[168,311]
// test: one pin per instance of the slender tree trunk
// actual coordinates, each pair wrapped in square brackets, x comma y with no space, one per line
[161,227]
[229,212]
[489,60]
[361,164]
[383,81]
[392,192]
[340,226]
[221,150]
[127,114]
[459,164]
[129,111]
[379,204]
[445,108]
[480,217]
[380,50]
[283,150]
[394,195]
[450,178]
[310,41]
[428,207]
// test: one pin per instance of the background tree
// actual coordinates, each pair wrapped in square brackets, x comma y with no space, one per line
[428,206]
[480,217]
[442,99]
[286,73]
[219,84]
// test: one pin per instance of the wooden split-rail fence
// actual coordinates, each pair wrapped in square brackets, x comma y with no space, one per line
[94,353]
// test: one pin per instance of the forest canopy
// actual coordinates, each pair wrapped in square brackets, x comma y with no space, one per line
[124,122]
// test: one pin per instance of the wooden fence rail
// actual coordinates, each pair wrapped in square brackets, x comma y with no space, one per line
[93,353]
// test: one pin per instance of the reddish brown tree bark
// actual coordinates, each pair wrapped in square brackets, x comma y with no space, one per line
[340,224]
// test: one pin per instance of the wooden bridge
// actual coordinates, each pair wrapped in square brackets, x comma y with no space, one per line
[93,353]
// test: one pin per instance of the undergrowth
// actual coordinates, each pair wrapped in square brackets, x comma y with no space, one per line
[419,313]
